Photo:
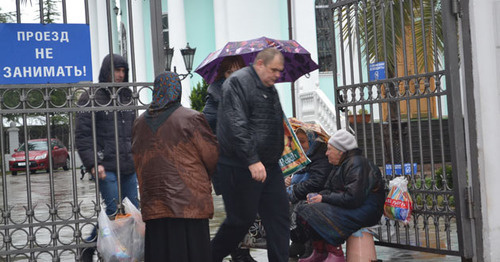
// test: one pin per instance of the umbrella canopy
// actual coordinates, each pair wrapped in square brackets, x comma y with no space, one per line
[298,60]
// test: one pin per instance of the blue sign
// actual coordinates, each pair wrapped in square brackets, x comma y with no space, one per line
[377,71]
[398,169]
[50,53]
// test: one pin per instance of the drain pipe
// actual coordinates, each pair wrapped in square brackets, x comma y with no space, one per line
[290,36]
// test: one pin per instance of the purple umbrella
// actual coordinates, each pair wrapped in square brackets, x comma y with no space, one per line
[298,60]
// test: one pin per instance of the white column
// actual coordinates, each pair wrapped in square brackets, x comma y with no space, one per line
[138,8]
[115,26]
[13,132]
[98,35]
[304,24]
[139,40]
[221,23]
[177,34]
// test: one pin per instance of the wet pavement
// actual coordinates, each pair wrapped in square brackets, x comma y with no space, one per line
[69,189]
[383,253]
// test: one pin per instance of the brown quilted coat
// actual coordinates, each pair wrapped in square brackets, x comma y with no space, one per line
[174,166]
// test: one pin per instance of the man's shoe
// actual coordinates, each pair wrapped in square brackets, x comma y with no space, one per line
[87,254]
[242,255]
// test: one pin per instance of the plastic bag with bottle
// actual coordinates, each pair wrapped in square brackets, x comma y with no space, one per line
[122,239]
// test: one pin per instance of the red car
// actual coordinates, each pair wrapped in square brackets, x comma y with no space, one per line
[38,156]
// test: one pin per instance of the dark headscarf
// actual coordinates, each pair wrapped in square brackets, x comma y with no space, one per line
[118,62]
[167,91]
[166,99]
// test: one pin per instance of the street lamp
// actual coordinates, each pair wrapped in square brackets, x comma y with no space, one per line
[187,55]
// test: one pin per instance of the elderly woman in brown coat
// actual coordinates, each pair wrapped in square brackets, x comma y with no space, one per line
[175,154]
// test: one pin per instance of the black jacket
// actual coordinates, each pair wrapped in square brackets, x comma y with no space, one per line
[213,98]
[350,184]
[318,170]
[250,121]
[104,124]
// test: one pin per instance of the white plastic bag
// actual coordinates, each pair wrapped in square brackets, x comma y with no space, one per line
[398,204]
[122,239]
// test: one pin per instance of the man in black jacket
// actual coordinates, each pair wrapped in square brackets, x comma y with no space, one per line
[104,124]
[251,139]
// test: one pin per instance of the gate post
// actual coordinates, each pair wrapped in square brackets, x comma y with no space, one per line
[466,234]
[13,133]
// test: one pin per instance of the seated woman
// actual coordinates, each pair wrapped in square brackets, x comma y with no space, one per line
[313,176]
[352,198]
[310,179]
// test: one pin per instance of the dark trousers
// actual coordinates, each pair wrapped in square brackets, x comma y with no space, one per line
[177,240]
[243,198]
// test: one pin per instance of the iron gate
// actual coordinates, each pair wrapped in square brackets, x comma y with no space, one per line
[398,88]
[49,216]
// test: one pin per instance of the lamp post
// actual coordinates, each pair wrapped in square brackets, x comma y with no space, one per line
[187,55]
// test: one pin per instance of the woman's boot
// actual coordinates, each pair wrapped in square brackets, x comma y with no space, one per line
[335,253]
[319,253]
[308,249]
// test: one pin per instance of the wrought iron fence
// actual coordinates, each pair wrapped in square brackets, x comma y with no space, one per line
[51,222]
[48,217]
[399,95]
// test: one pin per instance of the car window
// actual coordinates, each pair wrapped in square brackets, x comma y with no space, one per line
[34,146]
[38,145]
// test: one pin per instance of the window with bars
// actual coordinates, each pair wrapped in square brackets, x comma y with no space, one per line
[324,35]
[164,20]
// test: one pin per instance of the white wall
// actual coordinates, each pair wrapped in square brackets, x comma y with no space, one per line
[177,33]
[485,34]
[237,20]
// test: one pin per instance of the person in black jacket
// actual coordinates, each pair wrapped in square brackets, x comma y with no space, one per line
[227,66]
[106,168]
[352,198]
[251,139]
[310,179]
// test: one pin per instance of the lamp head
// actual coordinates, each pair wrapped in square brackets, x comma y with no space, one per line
[188,56]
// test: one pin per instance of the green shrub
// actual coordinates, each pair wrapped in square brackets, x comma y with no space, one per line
[418,198]
[198,96]
[449,177]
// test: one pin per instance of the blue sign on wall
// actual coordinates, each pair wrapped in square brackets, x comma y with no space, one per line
[50,53]
[398,169]
[377,71]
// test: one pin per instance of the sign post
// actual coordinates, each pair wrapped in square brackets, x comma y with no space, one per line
[45,53]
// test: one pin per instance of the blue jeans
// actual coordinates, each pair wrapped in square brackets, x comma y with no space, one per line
[109,192]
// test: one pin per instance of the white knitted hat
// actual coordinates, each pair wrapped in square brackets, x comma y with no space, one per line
[343,140]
